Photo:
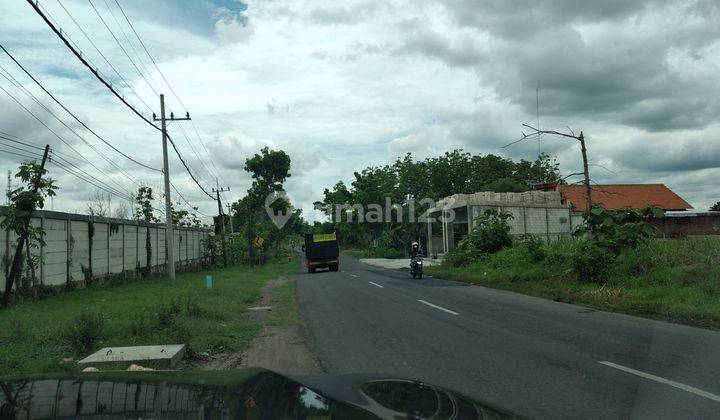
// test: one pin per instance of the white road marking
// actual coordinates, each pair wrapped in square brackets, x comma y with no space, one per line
[375,284]
[438,307]
[674,384]
[353,275]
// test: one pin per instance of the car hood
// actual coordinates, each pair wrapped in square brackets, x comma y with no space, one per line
[246,393]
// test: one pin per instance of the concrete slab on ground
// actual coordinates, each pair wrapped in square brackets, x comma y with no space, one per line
[164,355]
[396,263]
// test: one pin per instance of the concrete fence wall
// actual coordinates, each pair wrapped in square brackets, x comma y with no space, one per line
[117,247]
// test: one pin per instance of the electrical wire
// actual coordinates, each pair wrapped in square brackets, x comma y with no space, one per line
[127,19]
[98,76]
[20,154]
[55,134]
[40,85]
[34,98]
[99,52]
[121,47]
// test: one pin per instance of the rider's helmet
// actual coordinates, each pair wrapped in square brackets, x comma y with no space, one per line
[415,246]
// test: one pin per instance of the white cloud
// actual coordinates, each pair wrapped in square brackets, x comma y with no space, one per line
[360,83]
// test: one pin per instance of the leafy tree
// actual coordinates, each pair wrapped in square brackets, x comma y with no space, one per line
[35,187]
[715,207]
[143,205]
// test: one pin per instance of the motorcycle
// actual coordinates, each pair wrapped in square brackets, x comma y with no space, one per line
[416,267]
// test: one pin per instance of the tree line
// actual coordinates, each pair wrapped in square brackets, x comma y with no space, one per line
[409,180]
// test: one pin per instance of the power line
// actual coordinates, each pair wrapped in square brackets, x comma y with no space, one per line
[124,194]
[17,84]
[109,86]
[86,64]
[72,114]
[121,47]
[99,52]
[127,19]
[19,154]
[132,46]
[149,55]
[193,208]
[55,134]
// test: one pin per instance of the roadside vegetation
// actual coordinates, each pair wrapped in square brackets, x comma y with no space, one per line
[391,188]
[52,334]
[612,263]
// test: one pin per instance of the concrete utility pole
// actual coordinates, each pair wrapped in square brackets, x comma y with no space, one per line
[221,222]
[229,206]
[586,172]
[169,234]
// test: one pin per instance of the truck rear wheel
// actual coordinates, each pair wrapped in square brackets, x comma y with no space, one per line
[311,269]
[334,267]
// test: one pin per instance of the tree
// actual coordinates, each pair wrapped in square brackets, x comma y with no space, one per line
[715,207]
[143,210]
[98,204]
[143,205]
[23,202]
[121,211]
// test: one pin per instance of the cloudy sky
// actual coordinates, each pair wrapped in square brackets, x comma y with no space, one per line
[344,85]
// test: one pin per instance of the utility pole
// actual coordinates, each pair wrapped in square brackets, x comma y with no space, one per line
[581,138]
[232,228]
[221,222]
[15,268]
[586,172]
[169,234]
[7,231]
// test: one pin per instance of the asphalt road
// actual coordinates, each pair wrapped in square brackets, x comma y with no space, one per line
[537,358]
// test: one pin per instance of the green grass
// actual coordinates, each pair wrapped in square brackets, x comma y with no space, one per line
[286,311]
[677,280]
[33,336]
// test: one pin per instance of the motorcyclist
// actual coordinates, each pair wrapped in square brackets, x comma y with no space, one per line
[414,250]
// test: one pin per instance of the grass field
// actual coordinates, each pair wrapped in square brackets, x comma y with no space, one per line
[676,280]
[37,337]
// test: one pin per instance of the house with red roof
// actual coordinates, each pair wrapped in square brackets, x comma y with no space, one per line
[620,196]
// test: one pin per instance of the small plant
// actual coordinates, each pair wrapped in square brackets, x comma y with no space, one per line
[192,307]
[534,246]
[140,325]
[85,331]
[168,311]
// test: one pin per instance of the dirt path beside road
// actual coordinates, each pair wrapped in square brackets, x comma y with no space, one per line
[280,346]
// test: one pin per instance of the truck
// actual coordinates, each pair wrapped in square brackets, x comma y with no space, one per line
[321,250]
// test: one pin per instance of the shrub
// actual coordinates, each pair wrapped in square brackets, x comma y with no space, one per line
[85,331]
[591,263]
[616,231]
[140,325]
[168,311]
[192,307]
[490,234]
[534,246]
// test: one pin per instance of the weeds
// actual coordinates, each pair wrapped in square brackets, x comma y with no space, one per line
[85,331]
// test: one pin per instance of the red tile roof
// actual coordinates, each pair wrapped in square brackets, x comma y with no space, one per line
[624,196]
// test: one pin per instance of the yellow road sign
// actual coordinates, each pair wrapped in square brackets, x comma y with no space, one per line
[259,241]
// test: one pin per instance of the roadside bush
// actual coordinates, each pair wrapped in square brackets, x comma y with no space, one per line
[85,331]
[592,263]
[192,307]
[606,235]
[535,247]
[168,311]
[490,234]
[383,247]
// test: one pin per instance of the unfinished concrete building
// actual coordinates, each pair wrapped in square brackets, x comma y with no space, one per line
[538,213]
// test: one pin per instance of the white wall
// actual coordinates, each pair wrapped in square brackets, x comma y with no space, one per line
[67,246]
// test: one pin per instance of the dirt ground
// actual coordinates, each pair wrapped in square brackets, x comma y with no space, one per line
[278,347]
